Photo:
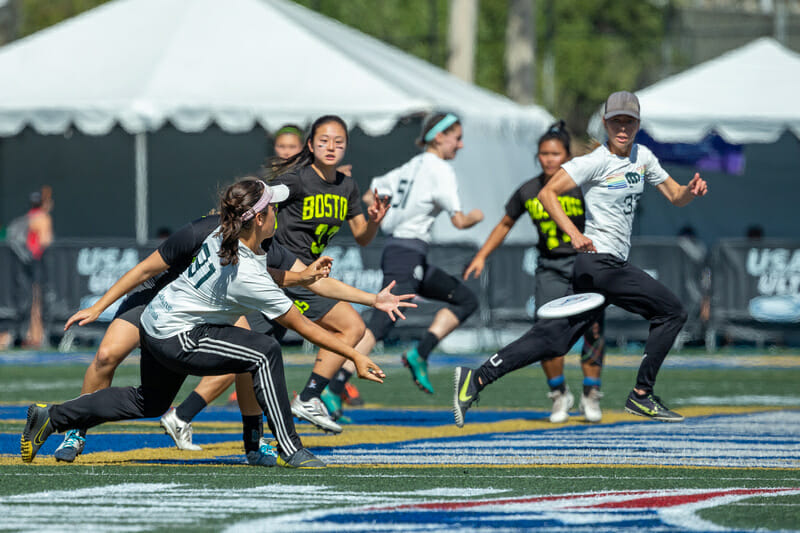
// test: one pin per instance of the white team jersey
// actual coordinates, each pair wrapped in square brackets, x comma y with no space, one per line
[611,187]
[420,190]
[207,293]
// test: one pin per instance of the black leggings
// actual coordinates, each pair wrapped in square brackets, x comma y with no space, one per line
[206,350]
[623,285]
[410,269]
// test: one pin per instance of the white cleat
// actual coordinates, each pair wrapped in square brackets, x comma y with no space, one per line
[562,403]
[314,411]
[590,406]
[180,431]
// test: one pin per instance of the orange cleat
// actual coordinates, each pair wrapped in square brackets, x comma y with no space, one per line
[351,396]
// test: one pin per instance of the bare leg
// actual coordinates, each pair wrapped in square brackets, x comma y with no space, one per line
[346,324]
[120,339]
[443,323]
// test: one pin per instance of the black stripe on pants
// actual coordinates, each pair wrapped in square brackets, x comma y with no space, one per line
[623,285]
[165,363]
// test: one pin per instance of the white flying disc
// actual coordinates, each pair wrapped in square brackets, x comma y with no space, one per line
[574,304]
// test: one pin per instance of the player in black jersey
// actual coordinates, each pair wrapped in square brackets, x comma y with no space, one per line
[321,200]
[553,270]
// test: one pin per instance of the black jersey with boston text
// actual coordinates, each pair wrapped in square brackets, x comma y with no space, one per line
[314,211]
[552,241]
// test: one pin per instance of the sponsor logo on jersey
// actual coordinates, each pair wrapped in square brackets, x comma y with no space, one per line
[616,181]
[573,207]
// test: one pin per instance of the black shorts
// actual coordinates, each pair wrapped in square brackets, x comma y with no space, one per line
[311,305]
[132,307]
[553,278]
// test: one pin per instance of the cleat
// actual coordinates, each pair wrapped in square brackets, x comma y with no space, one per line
[266,455]
[314,411]
[333,404]
[180,431]
[419,370]
[233,398]
[465,393]
[302,458]
[651,407]
[590,406]
[562,403]
[351,396]
[71,448]
[37,429]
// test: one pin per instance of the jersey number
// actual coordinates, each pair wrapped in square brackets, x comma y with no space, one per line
[324,233]
[630,203]
[199,262]
[403,190]
[550,228]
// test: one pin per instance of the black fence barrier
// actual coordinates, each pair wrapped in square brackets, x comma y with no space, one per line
[756,286]
[755,292]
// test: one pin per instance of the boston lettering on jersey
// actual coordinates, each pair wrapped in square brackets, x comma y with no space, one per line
[324,206]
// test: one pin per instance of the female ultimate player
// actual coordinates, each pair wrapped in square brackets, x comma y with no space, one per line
[320,200]
[173,256]
[553,271]
[612,179]
[188,329]
[420,190]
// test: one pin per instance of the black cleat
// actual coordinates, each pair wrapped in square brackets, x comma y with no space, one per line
[302,458]
[465,393]
[651,407]
[37,429]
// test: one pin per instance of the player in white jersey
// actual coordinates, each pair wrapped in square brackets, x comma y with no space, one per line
[188,329]
[612,178]
[420,190]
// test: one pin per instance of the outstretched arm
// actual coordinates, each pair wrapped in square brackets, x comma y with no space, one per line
[681,195]
[495,239]
[462,221]
[560,183]
[293,319]
[154,264]
[365,228]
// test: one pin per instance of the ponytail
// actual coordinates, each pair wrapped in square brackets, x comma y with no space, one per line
[235,202]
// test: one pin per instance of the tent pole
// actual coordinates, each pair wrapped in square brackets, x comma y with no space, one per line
[140,156]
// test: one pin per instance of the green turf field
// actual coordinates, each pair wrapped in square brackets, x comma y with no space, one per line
[733,465]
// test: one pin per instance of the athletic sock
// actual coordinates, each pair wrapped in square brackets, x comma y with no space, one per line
[641,396]
[427,344]
[336,386]
[192,405]
[252,429]
[314,387]
[557,383]
[589,384]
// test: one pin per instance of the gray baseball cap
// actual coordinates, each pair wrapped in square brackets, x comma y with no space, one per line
[622,103]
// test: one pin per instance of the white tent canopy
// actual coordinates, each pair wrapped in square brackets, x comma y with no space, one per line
[748,95]
[242,63]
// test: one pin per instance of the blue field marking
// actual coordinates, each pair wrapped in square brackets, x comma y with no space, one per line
[366,416]
[758,440]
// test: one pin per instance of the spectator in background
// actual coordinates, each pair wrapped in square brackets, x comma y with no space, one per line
[39,237]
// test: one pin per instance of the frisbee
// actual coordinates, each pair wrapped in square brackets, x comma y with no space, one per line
[574,304]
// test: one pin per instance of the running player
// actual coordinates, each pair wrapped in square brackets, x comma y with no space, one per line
[553,271]
[188,329]
[420,190]
[321,199]
[612,180]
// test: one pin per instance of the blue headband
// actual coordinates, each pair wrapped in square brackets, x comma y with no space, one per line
[447,121]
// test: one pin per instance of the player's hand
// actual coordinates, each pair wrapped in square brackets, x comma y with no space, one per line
[377,210]
[368,370]
[391,303]
[476,215]
[475,268]
[83,317]
[321,268]
[582,243]
[698,186]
